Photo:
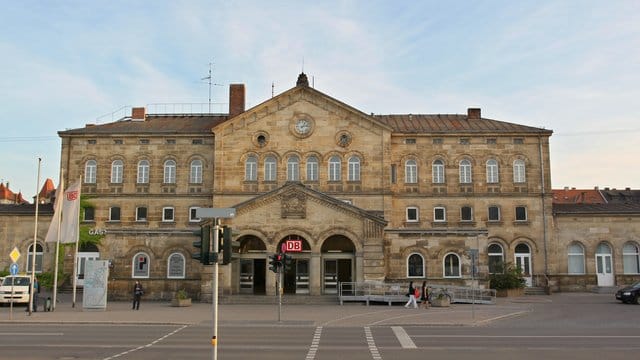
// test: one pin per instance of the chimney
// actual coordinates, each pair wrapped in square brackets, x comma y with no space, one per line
[473,113]
[138,113]
[236,99]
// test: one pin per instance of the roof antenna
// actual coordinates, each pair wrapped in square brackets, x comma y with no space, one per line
[209,78]
[272,86]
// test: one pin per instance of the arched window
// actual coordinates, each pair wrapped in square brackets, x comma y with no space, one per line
[38,258]
[631,258]
[195,174]
[437,169]
[575,260]
[410,172]
[354,169]
[90,170]
[117,167]
[415,265]
[496,259]
[251,169]
[143,172]
[451,265]
[465,171]
[519,174]
[170,172]
[176,266]
[492,171]
[334,168]
[312,168]
[270,169]
[140,265]
[293,168]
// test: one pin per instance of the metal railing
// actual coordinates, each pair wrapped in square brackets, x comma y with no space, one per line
[393,292]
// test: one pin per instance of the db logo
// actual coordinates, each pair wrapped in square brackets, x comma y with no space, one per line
[72,195]
[292,246]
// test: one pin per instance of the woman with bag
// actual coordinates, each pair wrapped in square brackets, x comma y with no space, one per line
[424,297]
[138,291]
[412,296]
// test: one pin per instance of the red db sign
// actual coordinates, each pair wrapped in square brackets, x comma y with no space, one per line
[292,246]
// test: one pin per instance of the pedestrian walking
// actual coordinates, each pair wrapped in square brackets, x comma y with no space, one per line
[36,291]
[424,296]
[138,291]
[412,296]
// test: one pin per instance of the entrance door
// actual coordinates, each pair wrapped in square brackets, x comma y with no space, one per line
[335,272]
[604,269]
[523,261]
[82,260]
[252,276]
[296,277]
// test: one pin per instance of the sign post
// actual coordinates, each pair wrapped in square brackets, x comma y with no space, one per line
[215,214]
[13,269]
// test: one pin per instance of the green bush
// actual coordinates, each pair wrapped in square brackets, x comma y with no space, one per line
[510,278]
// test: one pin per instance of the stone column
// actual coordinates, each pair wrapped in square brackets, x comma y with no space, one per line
[315,275]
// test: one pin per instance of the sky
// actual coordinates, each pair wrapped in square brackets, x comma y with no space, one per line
[569,66]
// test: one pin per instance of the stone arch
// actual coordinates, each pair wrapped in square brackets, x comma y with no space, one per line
[251,243]
[343,232]
[275,240]
[521,239]
[306,246]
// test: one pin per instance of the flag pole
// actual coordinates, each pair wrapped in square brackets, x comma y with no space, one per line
[35,237]
[75,256]
[58,207]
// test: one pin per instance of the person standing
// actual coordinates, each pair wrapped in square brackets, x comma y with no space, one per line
[138,291]
[36,291]
[412,296]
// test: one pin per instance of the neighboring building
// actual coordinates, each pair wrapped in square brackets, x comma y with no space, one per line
[17,231]
[9,197]
[597,233]
[371,197]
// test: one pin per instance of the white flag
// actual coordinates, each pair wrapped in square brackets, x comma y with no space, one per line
[52,233]
[70,214]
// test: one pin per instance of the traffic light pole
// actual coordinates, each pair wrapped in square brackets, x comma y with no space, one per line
[279,286]
[214,285]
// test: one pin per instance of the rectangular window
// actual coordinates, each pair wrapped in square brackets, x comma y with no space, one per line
[491,141]
[439,214]
[394,174]
[464,141]
[144,141]
[437,141]
[91,141]
[518,141]
[521,213]
[494,213]
[410,141]
[412,214]
[114,213]
[141,214]
[197,141]
[118,142]
[171,141]
[89,214]
[167,214]
[192,215]
[466,214]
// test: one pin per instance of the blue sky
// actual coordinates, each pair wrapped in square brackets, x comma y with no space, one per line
[569,66]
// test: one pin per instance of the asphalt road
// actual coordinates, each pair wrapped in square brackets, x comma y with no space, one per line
[572,327]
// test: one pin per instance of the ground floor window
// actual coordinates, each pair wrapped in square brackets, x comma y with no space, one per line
[175,266]
[140,265]
[451,265]
[576,259]
[415,265]
[631,258]
[38,255]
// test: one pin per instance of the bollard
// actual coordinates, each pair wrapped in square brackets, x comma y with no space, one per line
[47,304]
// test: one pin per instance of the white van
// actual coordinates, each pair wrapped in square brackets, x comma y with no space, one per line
[20,289]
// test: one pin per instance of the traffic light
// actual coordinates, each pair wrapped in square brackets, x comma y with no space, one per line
[204,244]
[224,244]
[275,262]
[287,260]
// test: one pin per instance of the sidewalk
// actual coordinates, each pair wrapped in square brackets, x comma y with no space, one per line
[350,314]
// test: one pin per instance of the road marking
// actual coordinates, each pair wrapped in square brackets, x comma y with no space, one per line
[373,349]
[535,336]
[146,345]
[403,337]
[30,334]
[311,354]
[356,315]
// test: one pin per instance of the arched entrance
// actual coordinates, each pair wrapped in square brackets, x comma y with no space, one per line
[523,261]
[85,252]
[252,265]
[338,258]
[296,275]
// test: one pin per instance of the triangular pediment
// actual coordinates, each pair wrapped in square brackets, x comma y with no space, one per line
[306,94]
[294,200]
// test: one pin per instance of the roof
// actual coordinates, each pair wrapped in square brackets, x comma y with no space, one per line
[154,124]
[625,196]
[604,209]
[48,190]
[446,123]
[577,196]
[7,196]
[25,209]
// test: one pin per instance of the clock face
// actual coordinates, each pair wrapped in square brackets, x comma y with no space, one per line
[303,126]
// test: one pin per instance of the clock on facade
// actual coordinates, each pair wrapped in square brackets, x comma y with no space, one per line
[303,126]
